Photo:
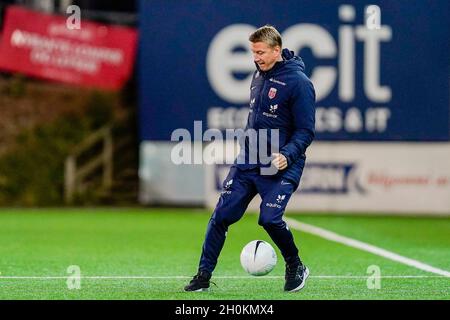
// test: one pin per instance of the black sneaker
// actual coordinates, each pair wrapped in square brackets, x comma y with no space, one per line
[200,282]
[295,277]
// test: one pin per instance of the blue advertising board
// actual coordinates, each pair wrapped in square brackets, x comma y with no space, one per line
[379,75]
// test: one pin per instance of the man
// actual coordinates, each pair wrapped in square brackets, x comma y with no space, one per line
[283,98]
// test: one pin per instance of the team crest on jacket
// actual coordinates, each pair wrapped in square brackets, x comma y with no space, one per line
[272,93]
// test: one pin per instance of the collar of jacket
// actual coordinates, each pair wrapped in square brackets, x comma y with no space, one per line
[273,70]
[286,54]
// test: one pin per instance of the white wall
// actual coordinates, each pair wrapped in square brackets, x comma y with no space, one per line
[366,177]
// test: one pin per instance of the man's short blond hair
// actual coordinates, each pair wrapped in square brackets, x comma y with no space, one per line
[267,34]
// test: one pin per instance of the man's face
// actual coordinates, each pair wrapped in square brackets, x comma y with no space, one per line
[264,55]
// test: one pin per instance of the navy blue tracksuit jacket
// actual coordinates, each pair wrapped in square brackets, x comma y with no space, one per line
[282,98]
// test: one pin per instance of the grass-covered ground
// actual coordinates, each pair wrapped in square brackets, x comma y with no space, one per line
[152,253]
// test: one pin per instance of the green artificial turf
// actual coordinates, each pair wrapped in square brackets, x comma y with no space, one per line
[164,245]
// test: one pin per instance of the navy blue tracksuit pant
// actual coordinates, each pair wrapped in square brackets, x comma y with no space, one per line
[239,188]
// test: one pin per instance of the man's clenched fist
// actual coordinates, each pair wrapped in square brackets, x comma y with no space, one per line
[279,161]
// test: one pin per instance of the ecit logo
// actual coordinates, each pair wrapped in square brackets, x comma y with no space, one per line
[223,61]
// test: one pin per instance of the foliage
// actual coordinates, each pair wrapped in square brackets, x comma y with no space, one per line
[33,172]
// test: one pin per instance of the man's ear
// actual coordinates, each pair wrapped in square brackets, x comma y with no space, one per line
[277,49]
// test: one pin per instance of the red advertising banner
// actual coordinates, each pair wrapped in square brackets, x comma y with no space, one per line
[42,45]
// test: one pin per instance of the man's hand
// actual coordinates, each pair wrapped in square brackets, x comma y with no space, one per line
[279,161]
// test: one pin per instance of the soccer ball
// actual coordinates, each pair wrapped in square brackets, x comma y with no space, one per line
[258,258]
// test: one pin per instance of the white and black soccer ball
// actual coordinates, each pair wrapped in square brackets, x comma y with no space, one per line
[258,258]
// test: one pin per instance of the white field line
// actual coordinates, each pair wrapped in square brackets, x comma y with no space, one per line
[216,277]
[326,234]
[302,227]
